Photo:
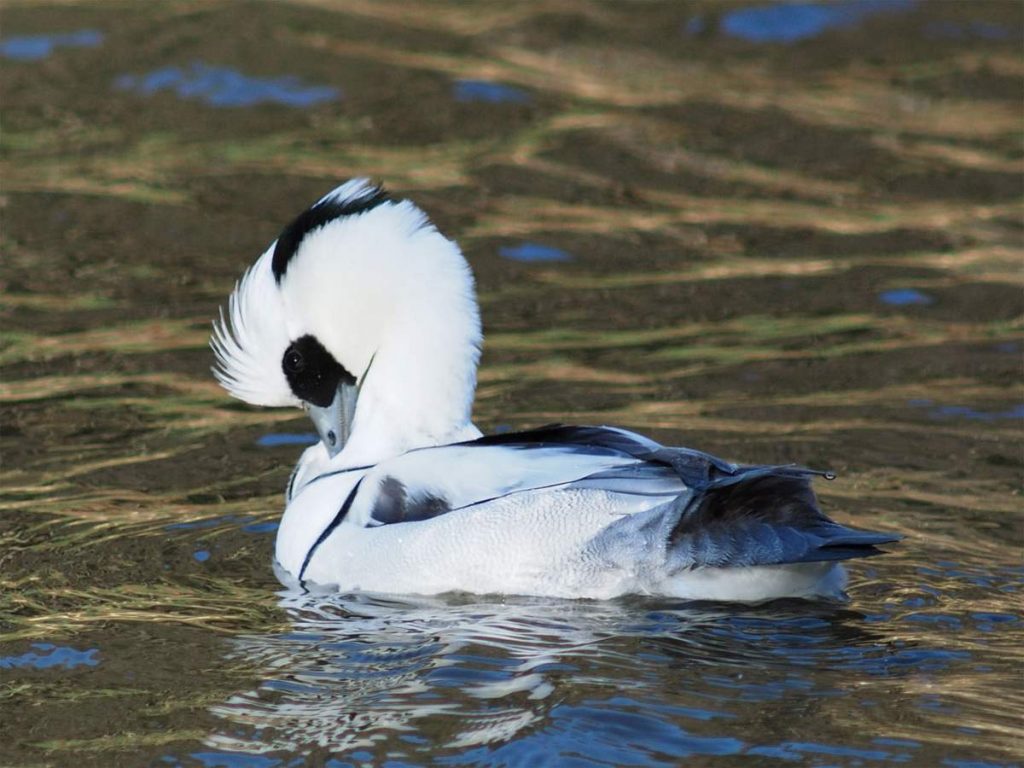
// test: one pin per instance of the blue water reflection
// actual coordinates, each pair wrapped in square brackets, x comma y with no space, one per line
[798,750]
[275,439]
[224,87]
[903,297]
[235,760]
[36,47]
[247,523]
[949,411]
[47,656]
[488,92]
[792,22]
[529,252]
[964,412]
[955,763]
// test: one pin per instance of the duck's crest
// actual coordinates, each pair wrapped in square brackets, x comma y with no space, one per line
[249,340]
[350,199]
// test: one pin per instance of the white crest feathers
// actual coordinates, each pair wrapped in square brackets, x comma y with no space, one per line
[251,340]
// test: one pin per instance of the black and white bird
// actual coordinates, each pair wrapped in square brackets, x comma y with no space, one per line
[363,314]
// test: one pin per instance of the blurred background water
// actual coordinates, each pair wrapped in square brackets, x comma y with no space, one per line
[781,232]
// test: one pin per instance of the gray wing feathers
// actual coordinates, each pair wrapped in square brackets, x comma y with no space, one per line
[756,516]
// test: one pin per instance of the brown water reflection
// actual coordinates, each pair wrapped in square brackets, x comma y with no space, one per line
[807,253]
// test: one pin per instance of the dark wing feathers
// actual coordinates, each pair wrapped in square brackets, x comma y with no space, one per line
[763,516]
[694,468]
[588,440]
[393,504]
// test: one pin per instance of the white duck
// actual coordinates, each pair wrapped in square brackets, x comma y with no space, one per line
[362,313]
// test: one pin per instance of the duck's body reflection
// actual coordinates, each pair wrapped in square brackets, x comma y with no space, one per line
[358,673]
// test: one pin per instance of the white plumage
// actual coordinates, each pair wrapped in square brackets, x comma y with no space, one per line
[255,323]
[364,314]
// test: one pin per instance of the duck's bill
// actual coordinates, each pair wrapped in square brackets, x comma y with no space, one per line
[334,422]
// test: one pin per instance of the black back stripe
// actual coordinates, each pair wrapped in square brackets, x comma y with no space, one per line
[565,435]
[330,528]
[338,472]
[316,216]
[291,483]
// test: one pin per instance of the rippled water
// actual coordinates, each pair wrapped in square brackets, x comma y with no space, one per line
[781,233]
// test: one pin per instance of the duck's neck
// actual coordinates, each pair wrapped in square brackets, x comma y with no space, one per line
[418,390]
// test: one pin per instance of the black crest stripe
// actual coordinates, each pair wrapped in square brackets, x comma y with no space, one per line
[317,216]
[330,528]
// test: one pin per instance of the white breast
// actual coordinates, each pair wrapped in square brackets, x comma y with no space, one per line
[308,515]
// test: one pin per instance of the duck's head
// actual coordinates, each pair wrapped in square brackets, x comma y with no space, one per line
[365,315]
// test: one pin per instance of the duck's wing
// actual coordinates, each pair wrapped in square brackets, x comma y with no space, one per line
[707,511]
[429,482]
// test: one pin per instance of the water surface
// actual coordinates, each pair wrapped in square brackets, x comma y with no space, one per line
[778,248]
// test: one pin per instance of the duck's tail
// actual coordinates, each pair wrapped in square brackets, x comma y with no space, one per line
[732,518]
[761,516]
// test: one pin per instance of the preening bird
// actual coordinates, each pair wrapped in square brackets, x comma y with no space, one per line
[365,315]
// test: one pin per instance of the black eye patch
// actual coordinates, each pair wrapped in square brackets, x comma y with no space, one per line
[312,372]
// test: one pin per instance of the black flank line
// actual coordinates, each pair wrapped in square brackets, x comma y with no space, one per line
[291,484]
[330,528]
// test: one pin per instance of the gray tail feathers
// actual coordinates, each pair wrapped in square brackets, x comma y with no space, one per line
[763,516]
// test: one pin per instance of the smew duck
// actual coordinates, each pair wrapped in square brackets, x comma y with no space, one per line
[365,315]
